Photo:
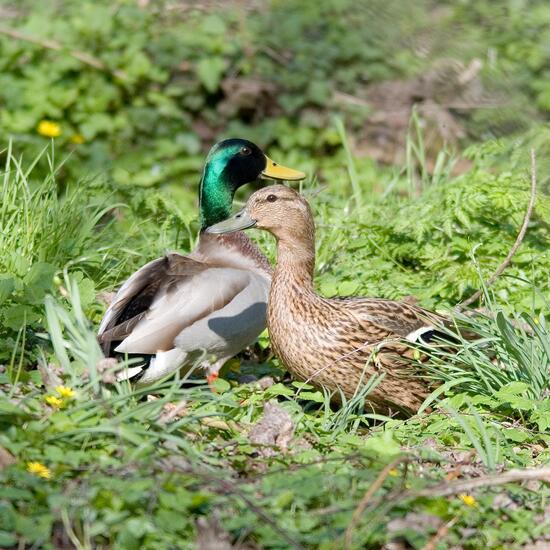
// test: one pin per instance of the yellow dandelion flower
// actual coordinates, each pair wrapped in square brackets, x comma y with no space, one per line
[49,128]
[38,469]
[77,138]
[64,391]
[469,500]
[53,401]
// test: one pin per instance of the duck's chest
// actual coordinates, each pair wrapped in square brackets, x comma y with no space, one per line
[300,329]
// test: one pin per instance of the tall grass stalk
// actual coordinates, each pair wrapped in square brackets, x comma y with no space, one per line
[350,414]
[487,451]
[350,164]
[70,332]
[40,223]
[510,347]
[417,171]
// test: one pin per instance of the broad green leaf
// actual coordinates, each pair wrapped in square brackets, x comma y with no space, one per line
[383,444]
[210,71]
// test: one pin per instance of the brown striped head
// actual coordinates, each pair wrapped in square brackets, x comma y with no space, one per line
[277,209]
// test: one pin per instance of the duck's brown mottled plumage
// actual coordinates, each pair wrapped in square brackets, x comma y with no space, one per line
[337,343]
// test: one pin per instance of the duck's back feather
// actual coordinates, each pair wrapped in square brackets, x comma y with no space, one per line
[400,318]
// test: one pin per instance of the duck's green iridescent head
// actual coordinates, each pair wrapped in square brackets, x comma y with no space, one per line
[229,165]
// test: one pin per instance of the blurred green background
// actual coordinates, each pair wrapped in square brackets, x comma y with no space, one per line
[139,89]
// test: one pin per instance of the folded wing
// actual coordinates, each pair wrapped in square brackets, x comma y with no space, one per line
[162,299]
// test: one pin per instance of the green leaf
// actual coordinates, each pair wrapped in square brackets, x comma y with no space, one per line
[18,315]
[213,24]
[210,71]
[279,389]
[7,285]
[514,434]
[285,499]
[220,385]
[10,409]
[384,444]
[316,396]
[348,288]
[512,388]
[7,539]
[38,281]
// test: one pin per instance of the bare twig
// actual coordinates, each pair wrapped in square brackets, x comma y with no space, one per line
[443,489]
[441,534]
[48,44]
[360,509]
[519,238]
[173,411]
[465,485]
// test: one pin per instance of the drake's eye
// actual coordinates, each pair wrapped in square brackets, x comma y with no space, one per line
[271,198]
[245,151]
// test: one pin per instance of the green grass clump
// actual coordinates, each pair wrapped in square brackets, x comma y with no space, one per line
[48,228]
[42,230]
[463,229]
[97,463]
[104,465]
[137,92]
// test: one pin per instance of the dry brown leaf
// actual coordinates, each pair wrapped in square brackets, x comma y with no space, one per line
[210,535]
[266,382]
[6,458]
[275,429]
[51,375]
[106,370]
[171,411]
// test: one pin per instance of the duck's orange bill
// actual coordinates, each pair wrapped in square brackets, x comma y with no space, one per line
[279,172]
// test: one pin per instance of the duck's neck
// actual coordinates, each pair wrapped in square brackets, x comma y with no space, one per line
[295,263]
[215,195]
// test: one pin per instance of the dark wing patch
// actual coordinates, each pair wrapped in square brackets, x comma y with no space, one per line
[140,303]
[428,336]
[113,336]
[403,318]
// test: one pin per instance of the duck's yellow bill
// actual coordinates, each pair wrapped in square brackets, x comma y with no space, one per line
[278,172]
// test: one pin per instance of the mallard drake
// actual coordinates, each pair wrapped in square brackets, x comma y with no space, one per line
[210,303]
[338,343]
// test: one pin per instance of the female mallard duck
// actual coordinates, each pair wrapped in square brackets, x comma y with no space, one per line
[339,342]
[210,303]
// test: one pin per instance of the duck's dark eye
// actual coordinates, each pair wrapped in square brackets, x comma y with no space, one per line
[245,151]
[271,198]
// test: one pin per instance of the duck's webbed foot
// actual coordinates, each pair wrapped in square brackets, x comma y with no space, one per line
[213,369]
[211,378]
